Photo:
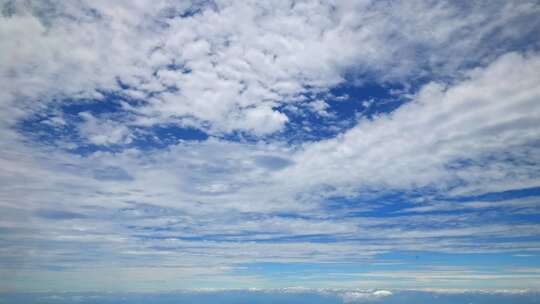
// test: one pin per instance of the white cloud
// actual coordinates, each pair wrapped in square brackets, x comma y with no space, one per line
[362,296]
[234,57]
[259,121]
[485,120]
[103,132]
[319,106]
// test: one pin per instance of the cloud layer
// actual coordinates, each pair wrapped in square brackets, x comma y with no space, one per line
[166,140]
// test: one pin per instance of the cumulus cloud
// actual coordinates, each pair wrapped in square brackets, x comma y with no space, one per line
[362,296]
[261,120]
[485,119]
[103,132]
[227,64]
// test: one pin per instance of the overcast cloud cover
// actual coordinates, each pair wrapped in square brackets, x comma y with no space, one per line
[166,145]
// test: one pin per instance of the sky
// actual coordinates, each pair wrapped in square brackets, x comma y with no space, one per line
[284,295]
[348,148]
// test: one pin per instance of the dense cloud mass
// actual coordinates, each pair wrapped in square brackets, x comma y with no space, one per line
[158,145]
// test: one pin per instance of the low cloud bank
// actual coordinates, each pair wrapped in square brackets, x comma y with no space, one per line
[289,296]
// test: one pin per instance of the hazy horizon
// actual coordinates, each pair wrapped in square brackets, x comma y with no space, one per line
[291,296]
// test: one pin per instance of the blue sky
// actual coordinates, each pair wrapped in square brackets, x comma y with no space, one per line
[152,146]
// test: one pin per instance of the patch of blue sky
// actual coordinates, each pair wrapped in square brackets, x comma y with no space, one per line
[59,124]
[307,273]
[368,99]
[395,263]
[500,196]
[406,261]
[376,202]
[493,206]
[161,136]
[40,129]
[194,8]
[274,269]
[325,114]
[491,262]
[387,203]
[343,107]
[110,103]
